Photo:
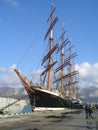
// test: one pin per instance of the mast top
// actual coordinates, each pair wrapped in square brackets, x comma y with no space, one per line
[52,23]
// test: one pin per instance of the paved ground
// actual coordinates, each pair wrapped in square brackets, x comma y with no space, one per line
[49,120]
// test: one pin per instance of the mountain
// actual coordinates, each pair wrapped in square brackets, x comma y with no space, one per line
[12,92]
[87,94]
[90,94]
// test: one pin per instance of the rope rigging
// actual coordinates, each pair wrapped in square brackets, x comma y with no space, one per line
[20,63]
[25,53]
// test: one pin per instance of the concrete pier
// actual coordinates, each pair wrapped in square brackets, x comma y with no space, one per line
[49,120]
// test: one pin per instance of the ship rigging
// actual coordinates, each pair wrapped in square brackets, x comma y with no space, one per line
[59,89]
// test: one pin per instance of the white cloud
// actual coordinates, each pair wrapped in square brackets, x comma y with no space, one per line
[2,70]
[94,94]
[8,78]
[36,76]
[88,74]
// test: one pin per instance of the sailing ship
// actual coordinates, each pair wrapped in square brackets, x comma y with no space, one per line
[58,85]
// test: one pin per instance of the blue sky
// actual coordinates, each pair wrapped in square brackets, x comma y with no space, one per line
[23,26]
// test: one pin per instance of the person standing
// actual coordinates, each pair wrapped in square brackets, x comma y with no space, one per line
[87,111]
[90,109]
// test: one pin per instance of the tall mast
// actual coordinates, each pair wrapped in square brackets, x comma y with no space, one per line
[67,79]
[70,70]
[62,62]
[50,46]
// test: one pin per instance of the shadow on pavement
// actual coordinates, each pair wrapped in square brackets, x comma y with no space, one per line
[85,126]
[59,118]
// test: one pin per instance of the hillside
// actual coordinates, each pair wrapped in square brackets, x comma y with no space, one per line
[12,92]
[87,94]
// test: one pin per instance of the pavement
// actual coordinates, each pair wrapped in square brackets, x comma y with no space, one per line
[49,120]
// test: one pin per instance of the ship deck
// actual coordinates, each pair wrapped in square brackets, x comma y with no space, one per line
[47,120]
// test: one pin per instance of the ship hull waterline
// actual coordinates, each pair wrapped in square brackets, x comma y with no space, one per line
[47,99]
